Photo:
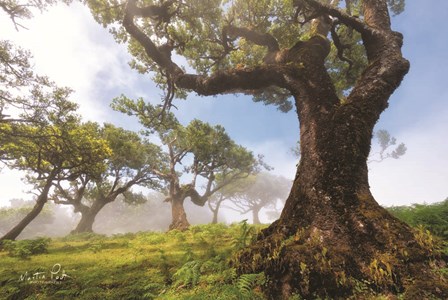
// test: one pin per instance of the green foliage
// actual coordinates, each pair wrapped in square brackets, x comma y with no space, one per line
[96,246]
[208,46]
[433,217]
[161,271]
[85,236]
[188,274]
[26,248]
[58,144]
[246,233]
[246,282]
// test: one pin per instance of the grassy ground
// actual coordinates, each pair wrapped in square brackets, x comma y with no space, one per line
[175,265]
[195,264]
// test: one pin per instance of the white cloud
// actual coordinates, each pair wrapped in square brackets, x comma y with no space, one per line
[421,175]
[74,51]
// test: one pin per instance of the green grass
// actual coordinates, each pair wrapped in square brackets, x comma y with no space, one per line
[194,264]
[148,265]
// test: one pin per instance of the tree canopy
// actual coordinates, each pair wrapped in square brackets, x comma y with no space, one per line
[196,153]
[132,161]
[235,35]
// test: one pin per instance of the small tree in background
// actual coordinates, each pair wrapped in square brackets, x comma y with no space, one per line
[203,151]
[262,191]
[226,193]
[57,147]
[132,162]
[388,147]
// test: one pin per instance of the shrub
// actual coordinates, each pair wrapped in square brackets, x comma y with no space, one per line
[25,248]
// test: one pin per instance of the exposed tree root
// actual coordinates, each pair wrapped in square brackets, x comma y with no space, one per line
[364,250]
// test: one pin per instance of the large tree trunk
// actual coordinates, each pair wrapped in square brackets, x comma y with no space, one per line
[332,235]
[179,216]
[40,202]
[88,215]
[336,234]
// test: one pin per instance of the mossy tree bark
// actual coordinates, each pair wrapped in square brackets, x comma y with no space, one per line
[332,234]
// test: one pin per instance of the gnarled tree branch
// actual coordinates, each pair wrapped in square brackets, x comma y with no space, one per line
[260,39]
[161,58]
[235,80]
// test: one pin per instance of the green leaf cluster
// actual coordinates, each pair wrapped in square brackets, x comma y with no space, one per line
[200,148]
[56,143]
[196,31]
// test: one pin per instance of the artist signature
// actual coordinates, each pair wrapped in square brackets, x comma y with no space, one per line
[55,275]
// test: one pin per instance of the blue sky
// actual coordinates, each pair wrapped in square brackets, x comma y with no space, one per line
[74,51]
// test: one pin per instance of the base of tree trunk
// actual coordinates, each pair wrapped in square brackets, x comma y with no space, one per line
[85,224]
[181,226]
[179,221]
[81,230]
[338,252]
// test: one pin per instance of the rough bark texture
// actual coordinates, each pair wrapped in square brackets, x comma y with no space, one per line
[332,235]
[40,203]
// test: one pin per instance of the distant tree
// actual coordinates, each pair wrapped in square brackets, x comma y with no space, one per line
[121,216]
[386,142]
[132,162]
[205,152]
[226,193]
[262,191]
[57,147]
